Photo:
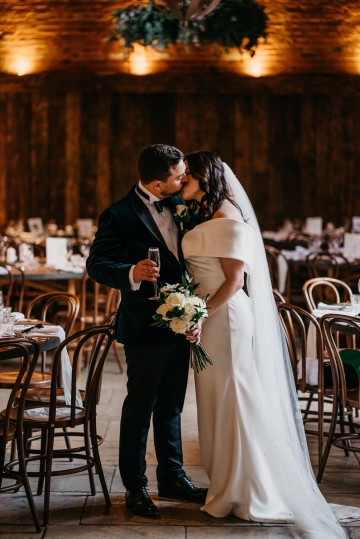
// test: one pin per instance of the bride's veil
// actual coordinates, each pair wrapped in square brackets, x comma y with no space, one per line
[285,439]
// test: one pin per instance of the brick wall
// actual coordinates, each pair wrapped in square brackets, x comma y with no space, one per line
[306,36]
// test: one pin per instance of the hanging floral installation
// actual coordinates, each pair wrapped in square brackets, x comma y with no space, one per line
[228,23]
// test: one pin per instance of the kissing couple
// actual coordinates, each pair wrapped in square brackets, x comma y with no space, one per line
[252,440]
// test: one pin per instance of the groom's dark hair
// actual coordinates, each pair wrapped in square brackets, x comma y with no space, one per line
[155,162]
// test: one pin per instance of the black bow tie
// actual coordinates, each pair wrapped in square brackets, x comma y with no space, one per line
[159,204]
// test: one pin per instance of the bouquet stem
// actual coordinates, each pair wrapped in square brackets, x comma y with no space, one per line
[199,357]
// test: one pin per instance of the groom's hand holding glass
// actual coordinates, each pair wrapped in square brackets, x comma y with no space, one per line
[146,270]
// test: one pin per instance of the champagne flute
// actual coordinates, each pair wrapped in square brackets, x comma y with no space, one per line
[154,255]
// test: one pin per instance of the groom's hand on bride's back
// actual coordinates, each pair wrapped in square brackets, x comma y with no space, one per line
[146,270]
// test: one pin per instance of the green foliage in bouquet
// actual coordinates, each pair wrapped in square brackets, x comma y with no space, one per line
[180,310]
[233,23]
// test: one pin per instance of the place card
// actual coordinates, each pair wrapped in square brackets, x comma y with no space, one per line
[314,225]
[351,245]
[56,251]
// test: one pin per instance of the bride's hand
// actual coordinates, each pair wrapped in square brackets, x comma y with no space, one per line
[194,335]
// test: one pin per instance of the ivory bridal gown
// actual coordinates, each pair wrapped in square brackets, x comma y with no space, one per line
[234,434]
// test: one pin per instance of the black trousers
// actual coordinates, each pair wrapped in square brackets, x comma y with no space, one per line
[157,380]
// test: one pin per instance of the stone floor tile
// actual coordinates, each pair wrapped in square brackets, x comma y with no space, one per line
[171,513]
[249,532]
[107,532]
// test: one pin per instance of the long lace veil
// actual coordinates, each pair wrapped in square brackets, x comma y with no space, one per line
[286,443]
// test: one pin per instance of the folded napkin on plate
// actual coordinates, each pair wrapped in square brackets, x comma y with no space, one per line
[334,306]
[66,367]
[69,268]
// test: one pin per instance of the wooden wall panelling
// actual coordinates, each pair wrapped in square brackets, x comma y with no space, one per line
[318,187]
[57,158]
[308,157]
[3,186]
[39,193]
[290,169]
[103,186]
[163,119]
[350,167]
[260,196]
[134,132]
[187,116]
[89,154]
[242,136]
[72,152]
[18,158]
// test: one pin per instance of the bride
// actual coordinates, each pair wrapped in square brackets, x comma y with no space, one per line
[251,435]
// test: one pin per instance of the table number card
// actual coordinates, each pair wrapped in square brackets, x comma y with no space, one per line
[314,225]
[352,246]
[56,251]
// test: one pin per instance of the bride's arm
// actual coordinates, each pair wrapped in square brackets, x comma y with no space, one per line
[234,281]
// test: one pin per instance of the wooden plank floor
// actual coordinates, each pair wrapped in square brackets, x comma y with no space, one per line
[76,514]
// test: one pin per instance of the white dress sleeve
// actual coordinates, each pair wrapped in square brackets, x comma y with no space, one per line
[221,238]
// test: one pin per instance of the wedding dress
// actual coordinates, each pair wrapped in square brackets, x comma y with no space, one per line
[251,435]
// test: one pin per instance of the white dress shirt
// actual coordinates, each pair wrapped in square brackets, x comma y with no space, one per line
[165,223]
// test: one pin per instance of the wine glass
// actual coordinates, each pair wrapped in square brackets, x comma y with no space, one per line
[154,255]
[359,285]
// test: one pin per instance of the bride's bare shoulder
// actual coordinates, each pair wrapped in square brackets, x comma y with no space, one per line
[228,211]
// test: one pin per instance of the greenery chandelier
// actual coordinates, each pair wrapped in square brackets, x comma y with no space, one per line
[228,23]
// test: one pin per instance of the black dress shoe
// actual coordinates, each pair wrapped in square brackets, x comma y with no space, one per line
[182,489]
[140,503]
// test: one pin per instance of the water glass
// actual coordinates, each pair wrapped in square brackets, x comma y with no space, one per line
[7,323]
[355,304]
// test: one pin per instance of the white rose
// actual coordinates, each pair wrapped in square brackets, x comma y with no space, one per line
[176,299]
[181,210]
[162,310]
[168,288]
[190,310]
[177,325]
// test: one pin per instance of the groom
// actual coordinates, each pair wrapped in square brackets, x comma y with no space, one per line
[157,360]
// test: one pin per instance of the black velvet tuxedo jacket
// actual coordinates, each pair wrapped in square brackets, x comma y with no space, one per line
[125,232]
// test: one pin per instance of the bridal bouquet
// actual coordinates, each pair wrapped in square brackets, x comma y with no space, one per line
[180,309]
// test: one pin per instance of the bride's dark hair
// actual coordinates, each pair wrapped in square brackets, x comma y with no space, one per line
[208,169]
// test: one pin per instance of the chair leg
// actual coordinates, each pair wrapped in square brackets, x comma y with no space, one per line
[95,448]
[42,466]
[333,421]
[88,454]
[320,426]
[25,480]
[309,403]
[346,443]
[49,458]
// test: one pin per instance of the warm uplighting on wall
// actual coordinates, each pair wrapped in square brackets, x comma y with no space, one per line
[21,64]
[259,65]
[140,62]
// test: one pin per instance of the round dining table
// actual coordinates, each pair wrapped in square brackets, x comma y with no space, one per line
[45,342]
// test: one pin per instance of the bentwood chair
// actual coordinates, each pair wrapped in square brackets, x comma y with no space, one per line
[48,304]
[327,290]
[346,384]
[278,269]
[73,415]
[11,420]
[313,373]
[12,283]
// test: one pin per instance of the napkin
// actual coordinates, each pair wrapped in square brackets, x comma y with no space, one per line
[334,306]
[69,268]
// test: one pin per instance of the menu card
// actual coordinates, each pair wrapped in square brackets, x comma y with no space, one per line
[314,225]
[352,245]
[56,251]
[356,224]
